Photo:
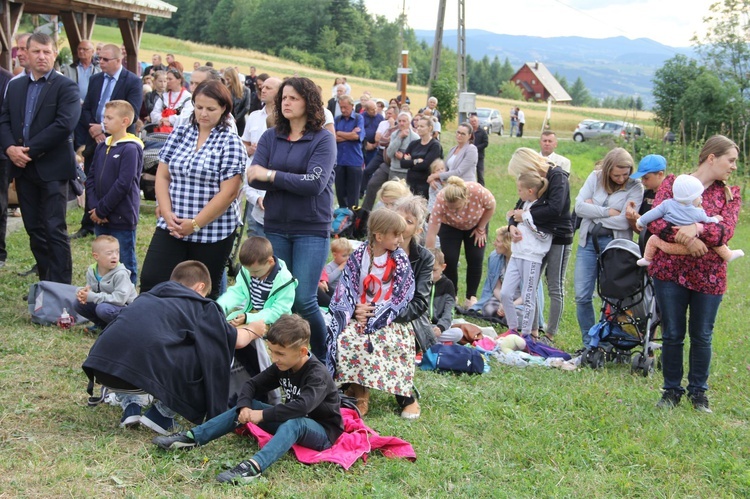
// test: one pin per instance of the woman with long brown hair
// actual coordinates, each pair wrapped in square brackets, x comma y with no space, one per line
[695,282]
[602,199]
[240,98]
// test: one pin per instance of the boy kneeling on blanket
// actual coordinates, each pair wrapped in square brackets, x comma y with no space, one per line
[310,416]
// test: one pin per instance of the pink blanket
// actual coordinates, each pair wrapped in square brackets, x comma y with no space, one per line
[356,442]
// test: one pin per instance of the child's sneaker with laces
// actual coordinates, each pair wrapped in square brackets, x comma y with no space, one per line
[131,416]
[244,472]
[156,421]
[175,441]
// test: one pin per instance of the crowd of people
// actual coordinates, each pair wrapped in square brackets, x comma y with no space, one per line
[289,150]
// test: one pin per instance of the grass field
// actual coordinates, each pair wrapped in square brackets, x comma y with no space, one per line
[511,433]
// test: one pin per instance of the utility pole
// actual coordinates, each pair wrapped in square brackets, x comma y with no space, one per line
[437,45]
[461,47]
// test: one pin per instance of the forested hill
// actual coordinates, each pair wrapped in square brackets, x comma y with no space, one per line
[609,66]
[343,37]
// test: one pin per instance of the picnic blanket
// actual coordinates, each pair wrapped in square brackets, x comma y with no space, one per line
[357,441]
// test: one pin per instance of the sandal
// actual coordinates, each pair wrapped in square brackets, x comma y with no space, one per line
[546,340]
[411,411]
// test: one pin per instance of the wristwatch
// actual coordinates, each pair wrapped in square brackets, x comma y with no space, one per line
[196,227]
[269,174]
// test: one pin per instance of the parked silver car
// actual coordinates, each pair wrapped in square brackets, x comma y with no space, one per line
[490,120]
[593,130]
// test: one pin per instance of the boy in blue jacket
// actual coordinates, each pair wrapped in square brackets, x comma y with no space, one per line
[113,192]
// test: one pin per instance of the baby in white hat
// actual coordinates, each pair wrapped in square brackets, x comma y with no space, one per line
[683,209]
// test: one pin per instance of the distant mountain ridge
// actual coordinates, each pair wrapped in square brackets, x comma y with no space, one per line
[609,67]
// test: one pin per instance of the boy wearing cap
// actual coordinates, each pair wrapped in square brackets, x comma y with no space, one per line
[684,208]
[651,170]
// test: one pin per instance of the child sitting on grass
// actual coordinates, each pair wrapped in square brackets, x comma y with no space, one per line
[442,302]
[683,209]
[108,286]
[366,347]
[264,289]
[341,248]
[310,417]
[489,301]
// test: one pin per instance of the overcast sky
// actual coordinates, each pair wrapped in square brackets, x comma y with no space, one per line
[671,22]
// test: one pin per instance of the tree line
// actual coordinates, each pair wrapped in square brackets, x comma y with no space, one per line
[696,98]
[343,37]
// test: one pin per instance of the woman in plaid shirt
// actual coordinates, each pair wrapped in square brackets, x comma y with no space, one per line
[197,183]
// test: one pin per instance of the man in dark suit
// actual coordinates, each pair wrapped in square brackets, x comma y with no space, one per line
[333,103]
[39,114]
[5,77]
[113,83]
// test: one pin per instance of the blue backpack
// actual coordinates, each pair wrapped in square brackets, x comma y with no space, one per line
[342,220]
[453,358]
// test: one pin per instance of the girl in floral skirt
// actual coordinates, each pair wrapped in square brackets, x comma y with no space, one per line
[366,348]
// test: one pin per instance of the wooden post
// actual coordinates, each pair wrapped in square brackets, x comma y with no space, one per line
[131,37]
[404,74]
[10,17]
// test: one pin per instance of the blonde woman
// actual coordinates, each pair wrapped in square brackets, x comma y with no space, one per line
[552,216]
[602,199]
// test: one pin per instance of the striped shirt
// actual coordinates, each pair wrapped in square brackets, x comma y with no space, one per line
[196,177]
[259,290]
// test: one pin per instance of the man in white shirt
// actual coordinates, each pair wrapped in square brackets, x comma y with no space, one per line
[255,125]
[548,144]
[256,122]
[521,121]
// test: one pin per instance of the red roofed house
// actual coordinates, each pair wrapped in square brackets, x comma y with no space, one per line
[538,84]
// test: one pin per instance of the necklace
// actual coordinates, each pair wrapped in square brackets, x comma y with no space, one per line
[381,266]
[171,104]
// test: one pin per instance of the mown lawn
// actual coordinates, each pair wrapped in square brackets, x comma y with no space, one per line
[511,433]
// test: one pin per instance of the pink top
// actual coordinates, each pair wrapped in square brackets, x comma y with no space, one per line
[706,274]
[480,200]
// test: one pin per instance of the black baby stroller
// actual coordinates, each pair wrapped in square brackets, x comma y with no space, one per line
[628,310]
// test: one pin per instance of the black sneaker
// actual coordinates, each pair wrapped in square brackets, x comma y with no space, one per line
[175,441]
[242,473]
[131,416]
[700,402]
[669,399]
[160,424]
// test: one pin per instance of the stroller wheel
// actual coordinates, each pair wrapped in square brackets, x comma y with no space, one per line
[635,364]
[596,359]
[648,366]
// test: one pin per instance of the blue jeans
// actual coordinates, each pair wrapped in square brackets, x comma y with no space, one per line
[253,228]
[674,302]
[100,314]
[305,256]
[584,282]
[126,238]
[303,431]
